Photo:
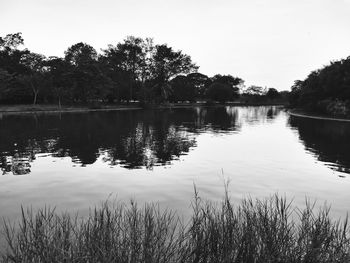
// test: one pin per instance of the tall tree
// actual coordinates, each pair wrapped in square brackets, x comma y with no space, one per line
[126,61]
[11,66]
[5,80]
[254,90]
[111,64]
[234,83]
[134,57]
[80,54]
[58,69]
[167,64]
[36,76]
[272,93]
[220,92]
[201,82]
[84,72]
[183,89]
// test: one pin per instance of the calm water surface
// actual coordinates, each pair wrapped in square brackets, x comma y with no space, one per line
[75,161]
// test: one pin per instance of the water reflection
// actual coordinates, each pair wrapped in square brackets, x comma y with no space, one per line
[18,164]
[255,115]
[328,140]
[131,139]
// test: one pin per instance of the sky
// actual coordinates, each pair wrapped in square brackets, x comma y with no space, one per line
[268,43]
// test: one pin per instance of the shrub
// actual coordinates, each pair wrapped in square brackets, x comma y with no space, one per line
[334,107]
[220,92]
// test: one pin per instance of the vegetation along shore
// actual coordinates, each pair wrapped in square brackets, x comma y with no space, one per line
[138,70]
[135,69]
[268,230]
[325,91]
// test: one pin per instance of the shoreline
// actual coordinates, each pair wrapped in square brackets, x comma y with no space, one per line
[30,109]
[302,114]
[64,110]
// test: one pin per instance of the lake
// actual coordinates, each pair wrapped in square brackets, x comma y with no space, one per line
[73,161]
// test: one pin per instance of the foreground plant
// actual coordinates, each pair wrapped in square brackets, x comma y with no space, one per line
[268,230]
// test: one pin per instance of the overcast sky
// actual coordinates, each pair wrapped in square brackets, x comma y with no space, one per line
[266,42]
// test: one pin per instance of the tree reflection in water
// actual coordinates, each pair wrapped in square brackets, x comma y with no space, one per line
[144,139]
[328,140]
[132,139]
[256,114]
[17,164]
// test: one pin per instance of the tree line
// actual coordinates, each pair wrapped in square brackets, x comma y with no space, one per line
[326,90]
[135,69]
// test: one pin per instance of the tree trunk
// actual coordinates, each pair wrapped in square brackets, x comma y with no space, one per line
[131,86]
[59,102]
[35,91]
[35,97]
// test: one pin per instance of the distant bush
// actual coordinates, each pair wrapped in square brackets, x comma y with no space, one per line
[334,107]
[338,107]
[95,105]
[268,230]
[220,92]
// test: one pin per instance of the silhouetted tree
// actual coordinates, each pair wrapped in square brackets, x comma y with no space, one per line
[168,64]
[128,64]
[229,87]
[325,90]
[272,93]
[182,89]
[5,80]
[35,77]
[58,74]
[254,90]
[132,59]
[200,82]
[84,73]
[220,92]
[11,66]
[134,69]
[111,64]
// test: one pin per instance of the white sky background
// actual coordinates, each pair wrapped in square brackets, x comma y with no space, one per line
[266,42]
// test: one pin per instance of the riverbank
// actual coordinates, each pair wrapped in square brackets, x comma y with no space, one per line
[47,108]
[303,114]
[23,109]
[267,230]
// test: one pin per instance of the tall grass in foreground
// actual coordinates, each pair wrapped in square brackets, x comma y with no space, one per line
[268,230]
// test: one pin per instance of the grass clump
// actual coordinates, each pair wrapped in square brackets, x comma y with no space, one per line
[111,233]
[268,230]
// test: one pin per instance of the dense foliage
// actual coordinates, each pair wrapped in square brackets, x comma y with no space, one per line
[326,90]
[134,69]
